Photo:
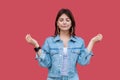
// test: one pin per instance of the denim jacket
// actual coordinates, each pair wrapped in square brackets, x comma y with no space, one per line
[51,56]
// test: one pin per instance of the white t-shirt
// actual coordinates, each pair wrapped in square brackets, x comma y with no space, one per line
[65,50]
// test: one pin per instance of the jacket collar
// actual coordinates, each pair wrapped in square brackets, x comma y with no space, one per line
[72,38]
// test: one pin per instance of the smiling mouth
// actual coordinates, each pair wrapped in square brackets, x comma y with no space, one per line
[64,26]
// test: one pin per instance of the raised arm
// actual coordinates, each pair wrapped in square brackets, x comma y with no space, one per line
[93,41]
[42,55]
[33,42]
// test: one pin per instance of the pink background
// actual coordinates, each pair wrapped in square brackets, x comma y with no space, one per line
[37,17]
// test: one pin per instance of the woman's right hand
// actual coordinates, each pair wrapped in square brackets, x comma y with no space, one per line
[31,41]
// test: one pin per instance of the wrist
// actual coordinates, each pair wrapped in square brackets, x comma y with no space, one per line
[92,41]
[36,45]
[37,49]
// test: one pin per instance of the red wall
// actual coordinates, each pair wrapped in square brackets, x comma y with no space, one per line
[37,17]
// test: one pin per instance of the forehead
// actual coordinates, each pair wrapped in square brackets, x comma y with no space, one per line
[63,16]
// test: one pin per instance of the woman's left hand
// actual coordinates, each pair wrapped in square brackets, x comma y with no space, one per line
[97,38]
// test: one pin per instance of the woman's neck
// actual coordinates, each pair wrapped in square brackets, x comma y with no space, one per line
[64,35]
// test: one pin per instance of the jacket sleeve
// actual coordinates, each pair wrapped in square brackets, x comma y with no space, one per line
[44,58]
[84,56]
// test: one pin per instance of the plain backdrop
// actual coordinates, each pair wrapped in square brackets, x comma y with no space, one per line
[37,17]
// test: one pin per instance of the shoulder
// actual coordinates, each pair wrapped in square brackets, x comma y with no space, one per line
[79,39]
[49,39]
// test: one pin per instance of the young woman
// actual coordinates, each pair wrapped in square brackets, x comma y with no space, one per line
[61,52]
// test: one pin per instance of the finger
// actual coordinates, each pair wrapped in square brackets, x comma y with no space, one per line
[100,37]
[26,37]
[29,36]
[99,34]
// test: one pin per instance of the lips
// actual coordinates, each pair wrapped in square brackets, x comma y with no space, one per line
[64,26]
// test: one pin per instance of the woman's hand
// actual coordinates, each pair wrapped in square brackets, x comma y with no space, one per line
[97,38]
[93,41]
[31,41]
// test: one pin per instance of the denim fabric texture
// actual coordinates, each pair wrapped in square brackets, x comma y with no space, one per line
[52,58]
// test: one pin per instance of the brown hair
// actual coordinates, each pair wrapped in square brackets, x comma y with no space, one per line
[70,15]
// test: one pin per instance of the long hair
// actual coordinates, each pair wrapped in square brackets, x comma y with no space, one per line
[70,15]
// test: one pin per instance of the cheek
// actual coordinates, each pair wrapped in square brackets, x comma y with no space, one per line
[70,24]
[59,24]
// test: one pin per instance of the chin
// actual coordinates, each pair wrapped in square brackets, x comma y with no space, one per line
[65,29]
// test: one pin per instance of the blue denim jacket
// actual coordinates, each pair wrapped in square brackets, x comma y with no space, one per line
[52,58]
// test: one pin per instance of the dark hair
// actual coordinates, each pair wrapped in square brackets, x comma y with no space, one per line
[70,15]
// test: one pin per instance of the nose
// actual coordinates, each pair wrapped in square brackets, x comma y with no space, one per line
[64,22]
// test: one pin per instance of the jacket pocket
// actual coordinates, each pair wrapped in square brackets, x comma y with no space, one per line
[74,55]
[54,52]
[76,50]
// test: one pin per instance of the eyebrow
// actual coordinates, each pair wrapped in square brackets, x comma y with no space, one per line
[62,18]
[67,18]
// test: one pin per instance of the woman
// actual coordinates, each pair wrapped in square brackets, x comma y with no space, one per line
[61,52]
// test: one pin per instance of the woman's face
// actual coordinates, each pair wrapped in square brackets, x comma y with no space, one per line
[64,22]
